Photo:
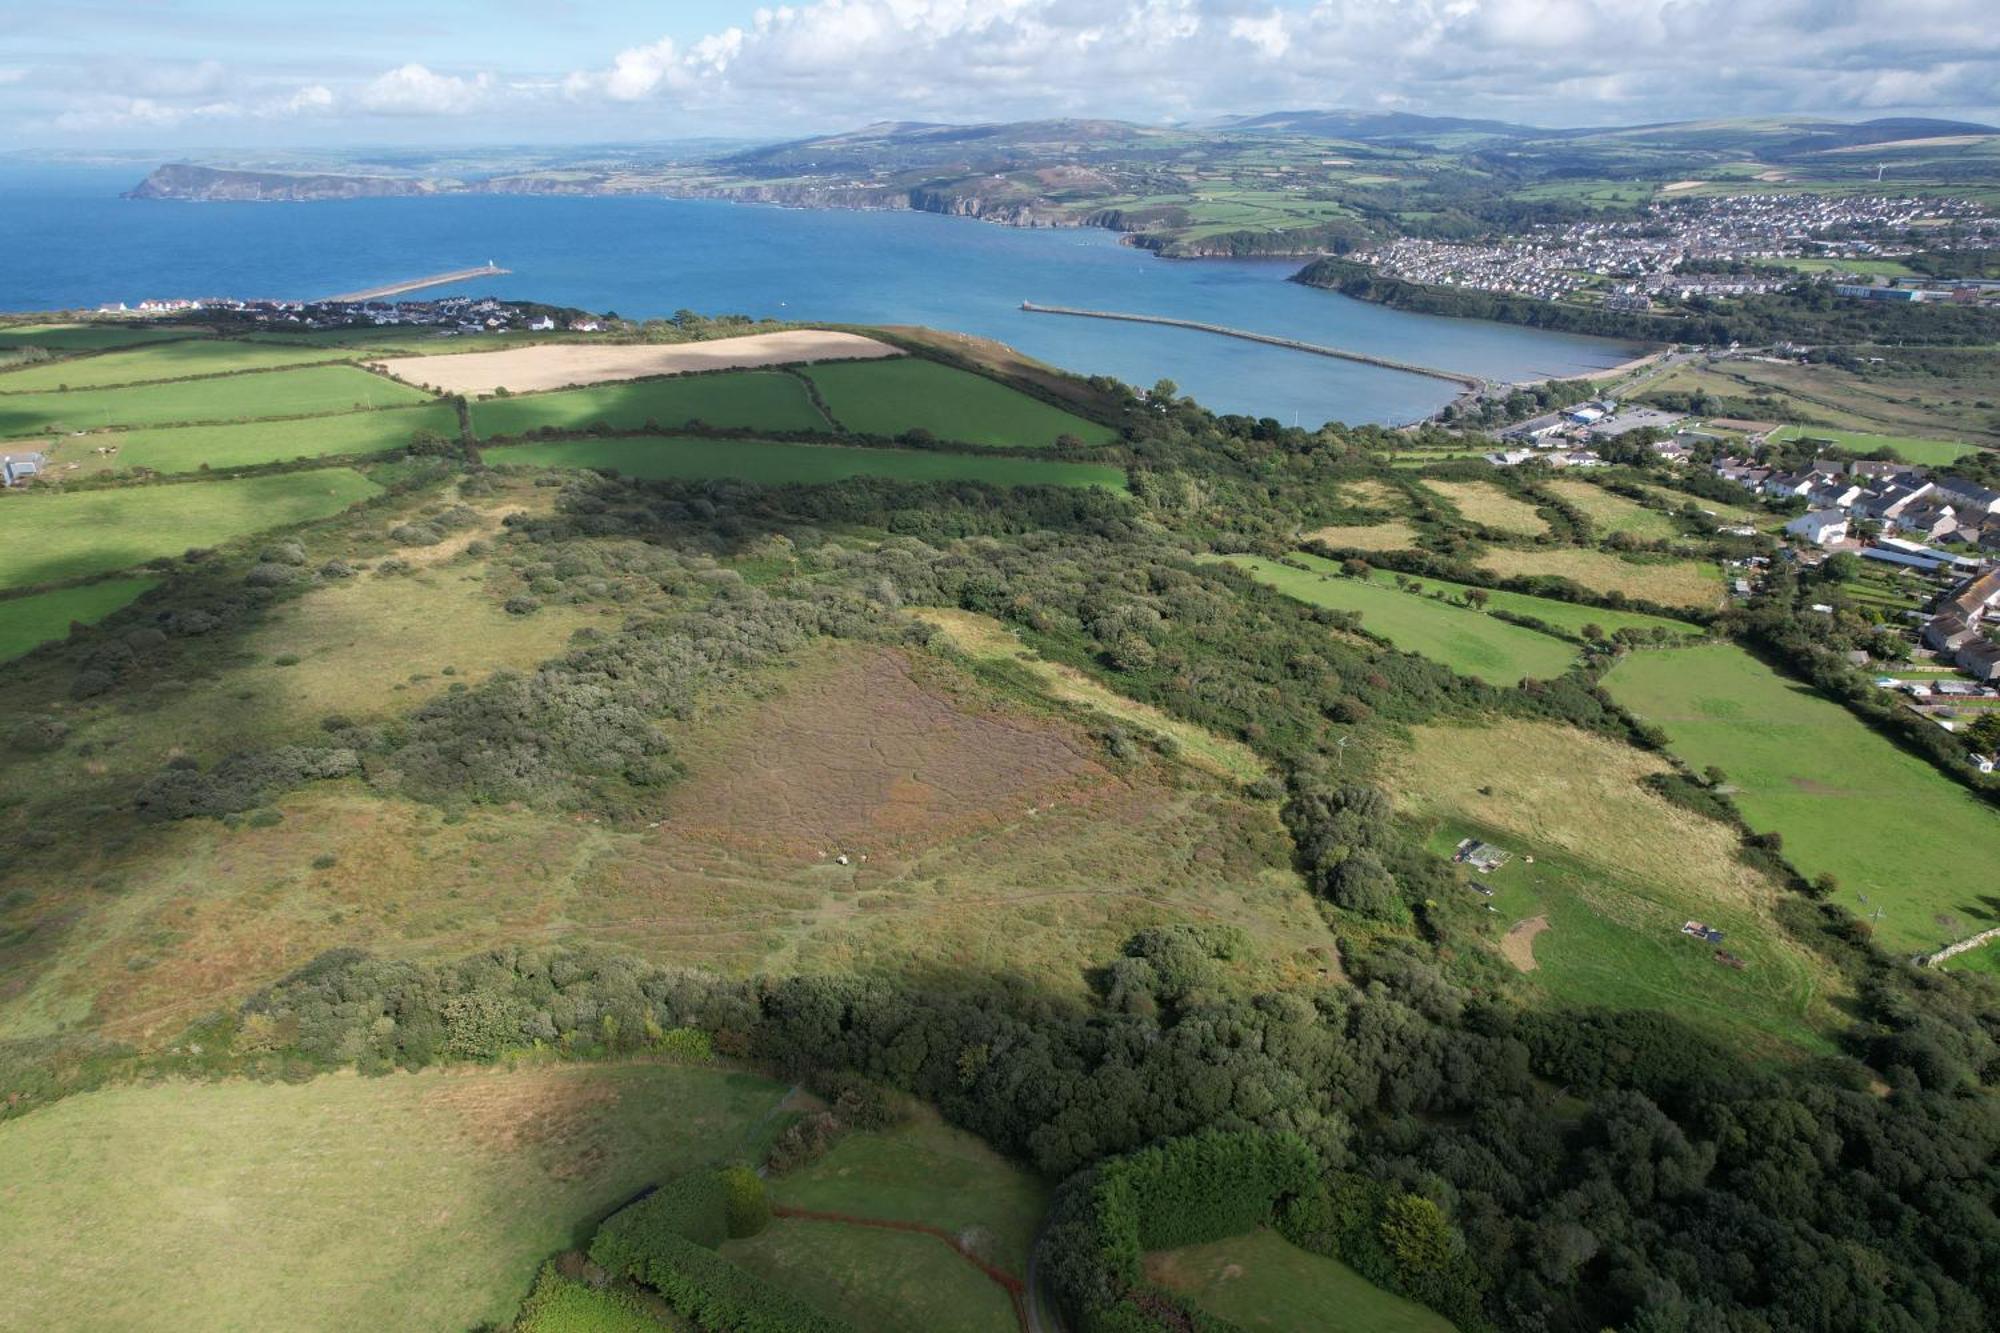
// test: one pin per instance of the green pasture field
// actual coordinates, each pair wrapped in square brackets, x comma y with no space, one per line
[1609,512]
[89,337]
[1594,918]
[61,536]
[926,1171]
[1467,641]
[1688,583]
[162,361]
[889,397]
[1262,1281]
[881,1281]
[1871,268]
[302,391]
[28,622]
[1898,835]
[775,463]
[238,1205]
[1570,617]
[171,449]
[737,400]
[1911,449]
[1728,513]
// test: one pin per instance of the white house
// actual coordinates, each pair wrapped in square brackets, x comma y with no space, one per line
[1822,527]
[16,468]
[541,325]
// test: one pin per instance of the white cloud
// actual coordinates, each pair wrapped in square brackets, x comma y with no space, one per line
[12,74]
[845,60]
[314,97]
[414,90]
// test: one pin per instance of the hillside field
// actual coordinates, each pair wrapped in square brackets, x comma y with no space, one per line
[1609,512]
[1569,617]
[1899,835]
[1490,506]
[1262,1281]
[1694,584]
[162,361]
[1911,449]
[63,536]
[409,1201]
[303,391]
[887,398]
[1616,871]
[1469,642]
[776,463]
[90,337]
[26,622]
[736,400]
[175,449]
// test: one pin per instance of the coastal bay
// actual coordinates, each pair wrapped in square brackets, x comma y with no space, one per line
[644,256]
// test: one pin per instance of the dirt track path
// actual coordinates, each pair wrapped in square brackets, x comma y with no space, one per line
[1015,1288]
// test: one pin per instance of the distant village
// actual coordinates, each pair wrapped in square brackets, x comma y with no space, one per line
[448,315]
[1674,249]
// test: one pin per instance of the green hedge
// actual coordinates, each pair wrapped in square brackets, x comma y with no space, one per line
[1180,1192]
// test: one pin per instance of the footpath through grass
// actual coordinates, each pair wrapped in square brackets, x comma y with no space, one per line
[28,622]
[173,449]
[907,393]
[1263,1281]
[774,463]
[305,391]
[1469,642]
[412,1201]
[1900,837]
[62,536]
[734,400]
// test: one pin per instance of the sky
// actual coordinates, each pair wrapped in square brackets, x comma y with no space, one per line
[144,74]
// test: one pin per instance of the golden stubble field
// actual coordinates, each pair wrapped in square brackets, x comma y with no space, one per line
[560,365]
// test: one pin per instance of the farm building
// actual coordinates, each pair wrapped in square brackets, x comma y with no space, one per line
[1481,856]
[17,468]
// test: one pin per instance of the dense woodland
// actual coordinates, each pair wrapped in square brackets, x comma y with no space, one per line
[1512,1165]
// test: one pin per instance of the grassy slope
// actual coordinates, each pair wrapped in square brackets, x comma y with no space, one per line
[1617,870]
[411,1201]
[162,362]
[1846,800]
[306,391]
[988,640]
[89,337]
[1571,616]
[1260,1281]
[881,1281]
[773,462]
[1689,583]
[89,532]
[890,397]
[1490,506]
[1609,513]
[1934,453]
[744,400]
[924,1172]
[189,448]
[1466,641]
[27,622]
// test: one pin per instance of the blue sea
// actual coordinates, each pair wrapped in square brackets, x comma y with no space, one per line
[67,240]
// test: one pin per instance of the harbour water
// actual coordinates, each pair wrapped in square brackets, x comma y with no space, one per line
[67,240]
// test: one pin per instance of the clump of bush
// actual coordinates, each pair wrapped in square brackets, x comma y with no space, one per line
[336,569]
[270,574]
[521,606]
[38,735]
[240,782]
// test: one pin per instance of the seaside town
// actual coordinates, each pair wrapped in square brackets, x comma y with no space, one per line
[1676,249]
